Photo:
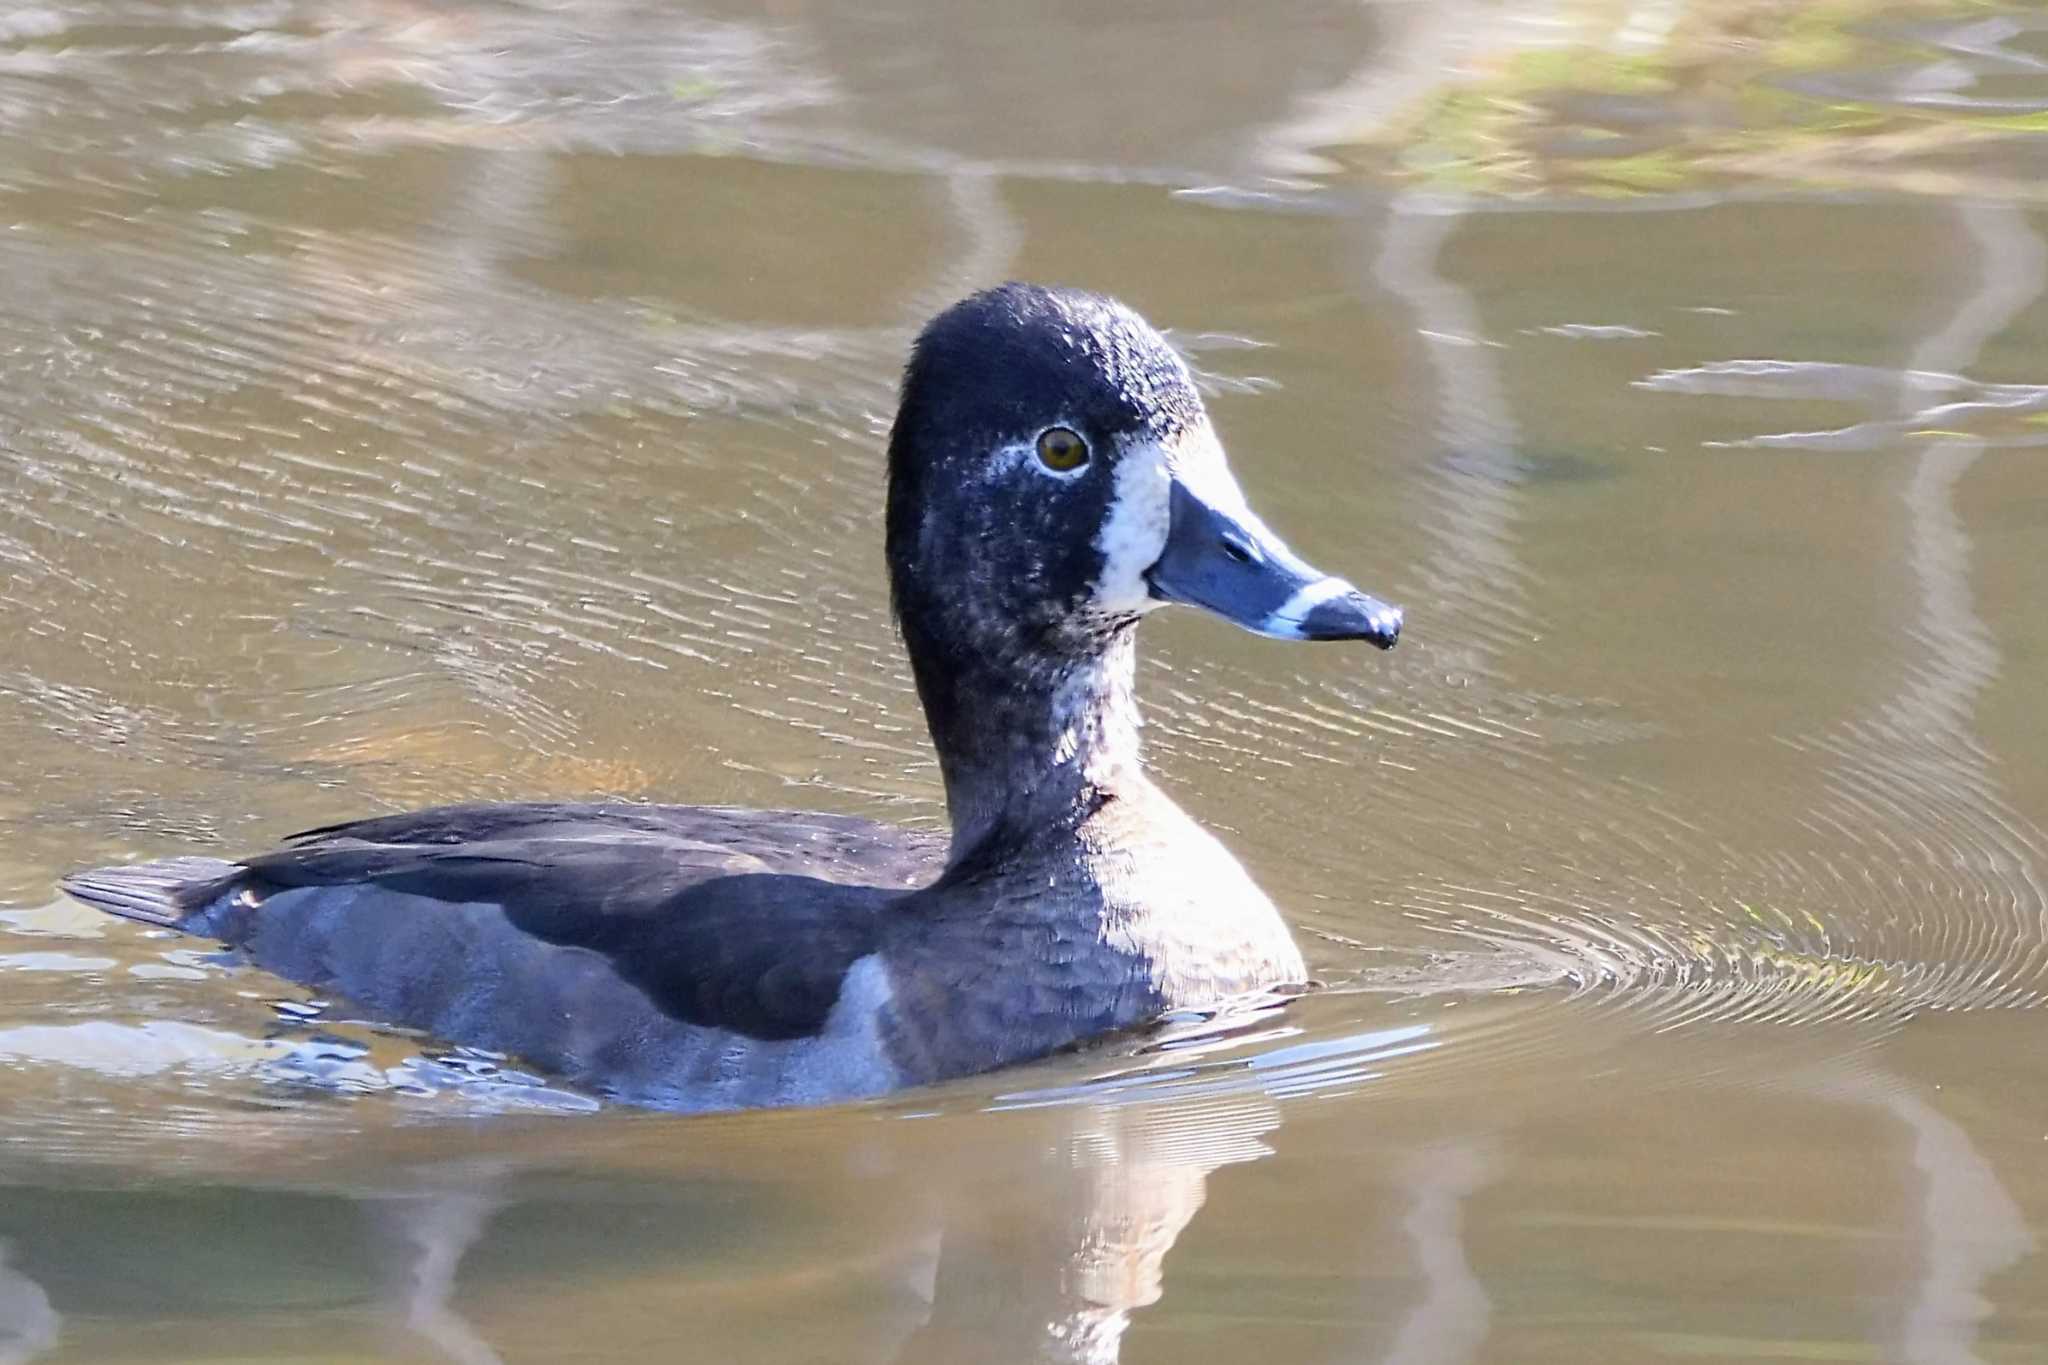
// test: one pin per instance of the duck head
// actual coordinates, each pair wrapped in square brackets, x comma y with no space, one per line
[1053,479]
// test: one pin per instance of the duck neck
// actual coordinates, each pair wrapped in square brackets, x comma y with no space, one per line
[1029,741]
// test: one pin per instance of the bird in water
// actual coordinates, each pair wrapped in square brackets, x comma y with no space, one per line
[1053,479]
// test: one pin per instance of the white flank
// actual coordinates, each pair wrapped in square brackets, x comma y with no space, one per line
[695,1067]
[844,1059]
[857,1012]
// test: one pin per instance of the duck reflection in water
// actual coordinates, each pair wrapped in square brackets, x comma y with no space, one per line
[28,1324]
[1045,1262]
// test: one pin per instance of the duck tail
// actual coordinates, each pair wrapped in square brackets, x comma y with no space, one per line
[167,892]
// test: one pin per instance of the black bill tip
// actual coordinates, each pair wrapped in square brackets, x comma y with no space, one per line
[1334,610]
[1356,617]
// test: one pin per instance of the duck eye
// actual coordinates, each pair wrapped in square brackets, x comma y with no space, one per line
[1062,449]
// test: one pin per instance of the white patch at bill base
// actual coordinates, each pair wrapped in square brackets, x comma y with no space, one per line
[1133,535]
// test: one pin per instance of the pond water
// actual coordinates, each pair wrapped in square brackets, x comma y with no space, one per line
[404,402]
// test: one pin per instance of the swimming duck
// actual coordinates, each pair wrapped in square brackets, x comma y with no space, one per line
[1053,479]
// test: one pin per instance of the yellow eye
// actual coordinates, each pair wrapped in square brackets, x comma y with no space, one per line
[1061,449]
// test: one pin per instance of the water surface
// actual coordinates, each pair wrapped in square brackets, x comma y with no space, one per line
[405,403]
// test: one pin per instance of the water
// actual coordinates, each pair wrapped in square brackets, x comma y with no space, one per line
[404,403]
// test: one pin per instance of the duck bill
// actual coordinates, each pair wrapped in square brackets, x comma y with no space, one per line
[1229,563]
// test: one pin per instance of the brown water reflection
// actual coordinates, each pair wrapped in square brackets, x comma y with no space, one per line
[404,402]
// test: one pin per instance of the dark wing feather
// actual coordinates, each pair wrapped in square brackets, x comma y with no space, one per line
[741,920]
[162,893]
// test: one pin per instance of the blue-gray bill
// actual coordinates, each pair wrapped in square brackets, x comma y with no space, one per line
[1235,567]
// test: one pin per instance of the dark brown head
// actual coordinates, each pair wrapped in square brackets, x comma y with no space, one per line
[1053,477]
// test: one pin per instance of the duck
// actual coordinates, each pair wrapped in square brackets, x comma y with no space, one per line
[1053,479]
